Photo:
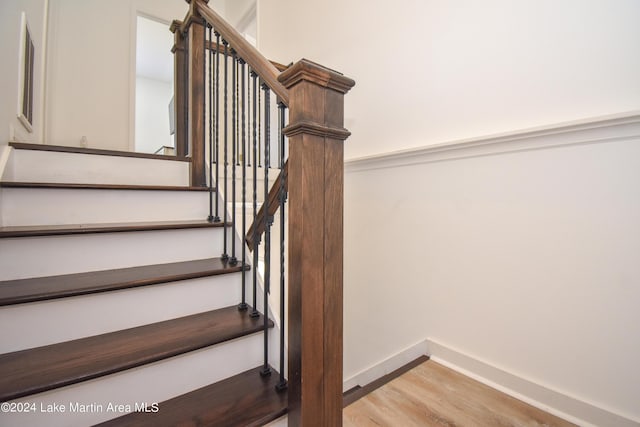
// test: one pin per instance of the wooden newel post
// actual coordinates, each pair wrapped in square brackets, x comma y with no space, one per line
[180,88]
[316,174]
[195,88]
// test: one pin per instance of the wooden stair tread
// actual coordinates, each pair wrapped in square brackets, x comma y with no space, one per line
[40,369]
[73,185]
[65,229]
[246,399]
[95,151]
[44,288]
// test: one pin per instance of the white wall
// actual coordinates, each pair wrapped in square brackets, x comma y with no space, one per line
[89,73]
[527,260]
[152,114]
[235,10]
[10,27]
[91,68]
[435,71]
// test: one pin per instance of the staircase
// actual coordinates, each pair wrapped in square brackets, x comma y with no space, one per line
[129,285]
[106,314]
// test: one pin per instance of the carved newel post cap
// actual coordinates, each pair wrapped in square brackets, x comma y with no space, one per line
[318,74]
[316,100]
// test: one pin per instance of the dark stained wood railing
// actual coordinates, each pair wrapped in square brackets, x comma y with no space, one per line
[257,228]
[263,67]
[217,48]
[313,175]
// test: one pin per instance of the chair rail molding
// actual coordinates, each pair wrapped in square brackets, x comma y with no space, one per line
[612,128]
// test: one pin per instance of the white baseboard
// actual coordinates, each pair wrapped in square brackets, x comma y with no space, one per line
[563,405]
[386,366]
[585,414]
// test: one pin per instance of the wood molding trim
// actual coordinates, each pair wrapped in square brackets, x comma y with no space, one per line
[310,128]
[305,70]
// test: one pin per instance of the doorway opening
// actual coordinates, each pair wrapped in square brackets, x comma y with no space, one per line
[154,87]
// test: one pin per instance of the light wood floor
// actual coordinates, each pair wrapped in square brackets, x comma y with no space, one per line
[433,395]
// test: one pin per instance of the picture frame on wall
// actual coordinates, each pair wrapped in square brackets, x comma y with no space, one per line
[27,59]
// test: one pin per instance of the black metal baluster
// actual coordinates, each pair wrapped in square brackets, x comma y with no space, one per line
[185,103]
[234,123]
[210,218]
[225,255]
[237,116]
[268,221]
[216,217]
[282,383]
[259,132]
[243,305]
[249,120]
[255,236]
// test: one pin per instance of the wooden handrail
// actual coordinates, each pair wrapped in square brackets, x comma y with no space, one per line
[217,48]
[279,66]
[258,63]
[273,204]
[315,180]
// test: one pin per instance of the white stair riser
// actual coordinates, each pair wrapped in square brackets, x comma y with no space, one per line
[54,255]
[111,311]
[47,166]
[38,206]
[150,383]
